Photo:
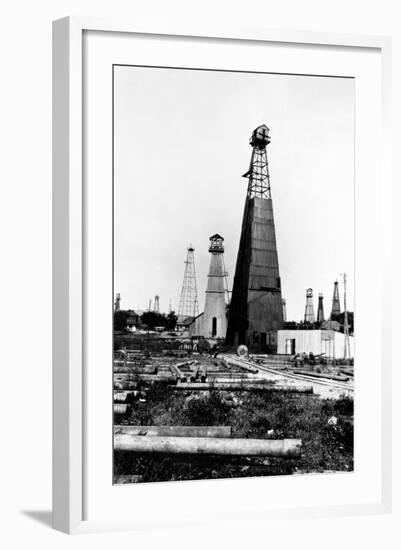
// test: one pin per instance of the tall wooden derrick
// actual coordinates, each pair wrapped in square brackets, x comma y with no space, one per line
[256,311]
[309,316]
[336,307]
[212,323]
[189,295]
[320,309]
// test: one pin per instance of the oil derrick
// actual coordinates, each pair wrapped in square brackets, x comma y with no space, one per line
[284,303]
[214,322]
[320,310]
[335,308]
[309,311]
[156,307]
[189,295]
[256,311]
[117,302]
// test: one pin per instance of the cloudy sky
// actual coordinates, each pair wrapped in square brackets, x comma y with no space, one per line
[181,146]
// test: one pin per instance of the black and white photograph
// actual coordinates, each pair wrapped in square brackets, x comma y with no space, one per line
[233,274]
[200,222]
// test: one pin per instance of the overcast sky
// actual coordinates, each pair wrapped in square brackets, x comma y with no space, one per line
[181,147]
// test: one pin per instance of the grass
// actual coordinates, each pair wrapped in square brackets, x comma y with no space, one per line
[326,446]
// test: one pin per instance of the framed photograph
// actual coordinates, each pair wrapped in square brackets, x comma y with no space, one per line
[219,258]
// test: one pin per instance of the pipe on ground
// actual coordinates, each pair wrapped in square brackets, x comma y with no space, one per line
[339,377]
[175,431]
[284,448]
[228,361]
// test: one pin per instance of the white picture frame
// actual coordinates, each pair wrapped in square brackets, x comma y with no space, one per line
[70,256]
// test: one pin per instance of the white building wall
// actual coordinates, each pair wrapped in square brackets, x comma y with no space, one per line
[339,344]
[329,342]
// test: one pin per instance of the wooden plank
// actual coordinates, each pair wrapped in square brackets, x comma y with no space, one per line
[284,448]
[175,431]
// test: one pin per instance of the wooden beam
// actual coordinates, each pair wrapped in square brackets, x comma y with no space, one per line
[284,448]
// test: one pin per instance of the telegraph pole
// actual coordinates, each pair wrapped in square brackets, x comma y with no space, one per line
[347,349]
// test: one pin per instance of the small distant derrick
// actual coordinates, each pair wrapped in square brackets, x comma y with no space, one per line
[320,310]
[309,311]
[336,308]
[156,306]
[189,306]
